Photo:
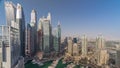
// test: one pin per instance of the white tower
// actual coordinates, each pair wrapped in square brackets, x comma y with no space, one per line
[33,16]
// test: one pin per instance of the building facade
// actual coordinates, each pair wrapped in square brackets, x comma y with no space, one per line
[103,57]
[10,47]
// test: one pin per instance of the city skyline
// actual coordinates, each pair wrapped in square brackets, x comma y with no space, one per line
[71,34]
[77,17]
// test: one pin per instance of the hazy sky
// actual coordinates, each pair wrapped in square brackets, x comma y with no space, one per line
[77,17]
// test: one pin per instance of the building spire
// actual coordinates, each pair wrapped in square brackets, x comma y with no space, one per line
[33,16]
[49,17]
[19,11]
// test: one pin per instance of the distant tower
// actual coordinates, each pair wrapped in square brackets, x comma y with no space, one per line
[74,40]
[59,35]
[34,21]
[55,40]
[33,17]
[100,42]
[40,35]
[84,46]
[70,46]
[101,53]
[75,49]
[31,45]
[10,9]
[47,33]
[21,21]
[30,49]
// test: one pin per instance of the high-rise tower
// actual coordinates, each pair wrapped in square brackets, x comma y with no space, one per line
[10,46]
[84,45]
[75,49]
[21,21]
[31,45]
[59,35]
[34,28]
[40,36]
[10,9]
[46,33]
[70,46]
[100,44]
[55,40]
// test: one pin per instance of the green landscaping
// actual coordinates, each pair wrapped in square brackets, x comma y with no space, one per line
[30,65]
[59,65]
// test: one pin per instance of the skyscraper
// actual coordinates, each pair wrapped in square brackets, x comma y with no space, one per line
[31,35]
[34,27]
[30,49]
[101,53]
[57,38]
[46,30]
[10,9]
[103,57]
[100,44]
[59,35]
[21,21]
[10,46]
[5,46]
[75,49]
[40,36]
[84,45]
[70,46]
[46,36]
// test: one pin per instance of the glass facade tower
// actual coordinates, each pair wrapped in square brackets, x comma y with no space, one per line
[46,35]
[10,9]
[21,21]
